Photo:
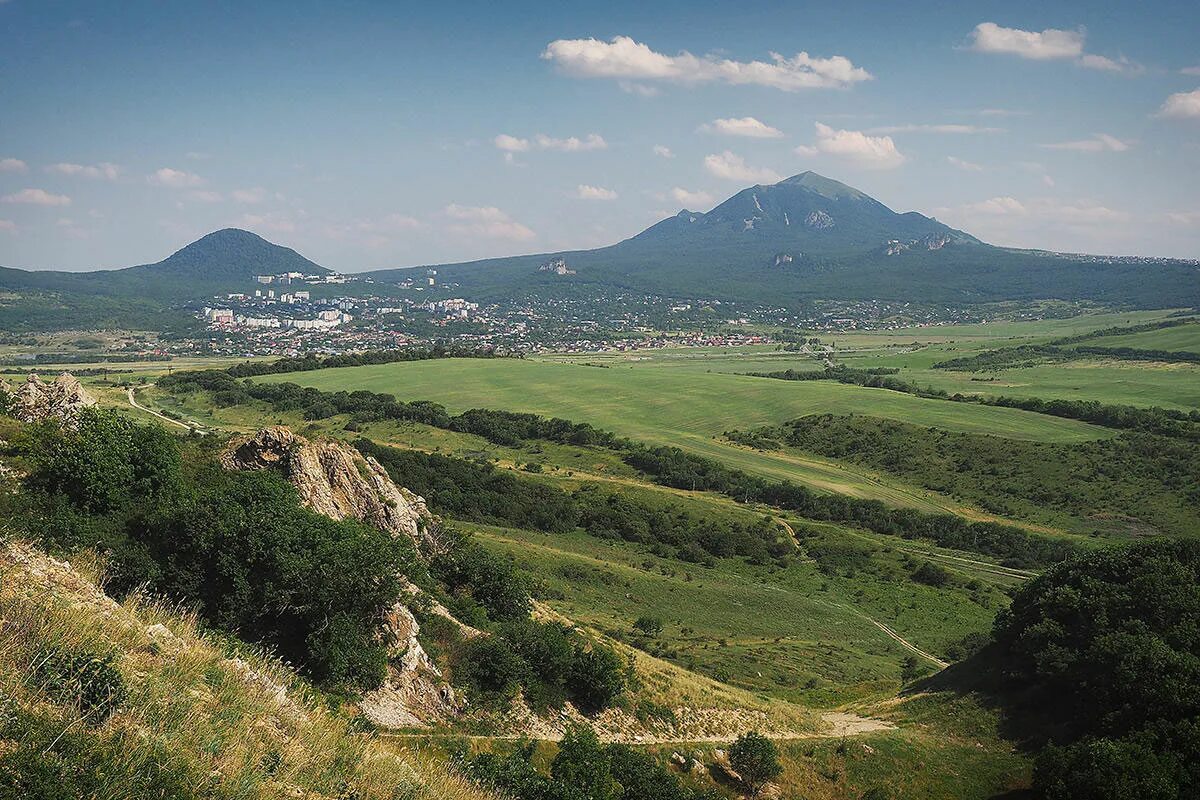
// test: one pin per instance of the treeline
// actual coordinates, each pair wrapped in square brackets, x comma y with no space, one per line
[1151,478]
[835,373]
[85,358]
[310,362]
[1026,355]
[1163,421]
[1014,546]
[500,427]
[1122,330]
[478,492]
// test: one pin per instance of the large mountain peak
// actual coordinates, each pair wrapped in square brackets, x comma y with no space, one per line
[826,187]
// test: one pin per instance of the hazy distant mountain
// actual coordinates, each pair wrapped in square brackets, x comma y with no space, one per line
[809,237]
[224,260]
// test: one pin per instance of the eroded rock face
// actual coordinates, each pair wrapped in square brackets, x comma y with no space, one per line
[61,400]
[336,480]
[415,692]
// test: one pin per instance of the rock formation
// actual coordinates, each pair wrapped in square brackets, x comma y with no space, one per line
[336,480]
[61,400]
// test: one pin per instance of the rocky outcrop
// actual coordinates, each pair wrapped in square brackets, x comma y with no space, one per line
[819,221]
[415,693]
[61,400]
[336,480]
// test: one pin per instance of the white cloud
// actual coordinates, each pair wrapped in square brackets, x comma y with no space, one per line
[269,223]
[593,141]
[988,37]
[963,164]
[954,129]
[877,152]
[663,151]
[8,225]
[486,221]
[1182,105]
[572,144]
[748,127]
[1184,217]
[691,199]
[511,144]
[1078,213]
[37,197]
[733,167]
[624,58]
[1193,71]
[174,178]
[585,192]
[1120,65]
[205,196]
[1099,143]
[13,165]
[640,89]
[249,196]
[104,170]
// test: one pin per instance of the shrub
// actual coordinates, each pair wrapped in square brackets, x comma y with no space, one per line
[756,759]
[597,678]
[83,678]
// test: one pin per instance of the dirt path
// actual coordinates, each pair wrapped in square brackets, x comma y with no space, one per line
[840,724]
[905,643]
[133,402]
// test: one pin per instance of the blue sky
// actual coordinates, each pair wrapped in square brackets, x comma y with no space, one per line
[387,134]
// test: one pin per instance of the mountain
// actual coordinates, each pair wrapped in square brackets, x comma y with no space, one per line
[809,238]
[228,255]
[224,260]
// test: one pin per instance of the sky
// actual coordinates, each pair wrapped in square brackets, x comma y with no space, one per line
[382,134]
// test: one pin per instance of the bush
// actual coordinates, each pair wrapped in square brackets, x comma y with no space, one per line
[82,678]
[582,763]
[755,758]
[597,678]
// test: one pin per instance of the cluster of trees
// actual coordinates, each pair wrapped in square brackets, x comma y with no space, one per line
[1014,546]
[311,361]
[1153,478]
[238,546]
[584,769]
[547,661]
[1105,649]
[478,492]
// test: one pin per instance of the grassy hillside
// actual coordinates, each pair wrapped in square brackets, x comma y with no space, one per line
[176,712]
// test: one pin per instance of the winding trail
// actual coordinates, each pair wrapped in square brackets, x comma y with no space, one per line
[133,402]
[905,643]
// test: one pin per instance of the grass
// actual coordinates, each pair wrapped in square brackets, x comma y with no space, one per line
[1181,337]
[202,714]
[795,633]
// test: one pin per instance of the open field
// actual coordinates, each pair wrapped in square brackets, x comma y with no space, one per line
[678,408]
[1182,337]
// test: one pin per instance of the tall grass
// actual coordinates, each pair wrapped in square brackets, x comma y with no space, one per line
[201,716]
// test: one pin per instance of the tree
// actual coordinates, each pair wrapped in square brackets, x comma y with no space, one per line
[755,758]
[648,626]
[582,763]
[596,678]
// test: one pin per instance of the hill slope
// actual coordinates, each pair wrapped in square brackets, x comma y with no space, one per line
[809,237]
